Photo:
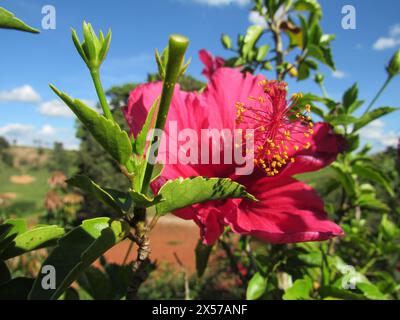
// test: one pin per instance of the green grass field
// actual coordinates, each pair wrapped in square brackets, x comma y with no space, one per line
[29,197]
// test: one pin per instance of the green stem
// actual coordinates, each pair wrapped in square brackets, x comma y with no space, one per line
[323,89]
[100,93]
[379,93]
[177,48]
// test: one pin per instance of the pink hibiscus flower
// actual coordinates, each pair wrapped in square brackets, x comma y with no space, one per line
[286,143]
[211,63]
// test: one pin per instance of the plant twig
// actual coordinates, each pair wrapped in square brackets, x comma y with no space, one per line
[233,261]
[378,94]
[185,276]
[142,266]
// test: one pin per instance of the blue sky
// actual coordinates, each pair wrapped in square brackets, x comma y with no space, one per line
[29,62]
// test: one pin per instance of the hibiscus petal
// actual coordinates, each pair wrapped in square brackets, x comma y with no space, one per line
[288,211]
[211,63]
[324,148]
[228,86]
[186,111]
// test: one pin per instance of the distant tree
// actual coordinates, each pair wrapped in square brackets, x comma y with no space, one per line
[5,156]
[4,143]
[187,82]
[60,159]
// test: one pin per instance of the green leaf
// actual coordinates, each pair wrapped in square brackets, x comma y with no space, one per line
[77,250]
[304,32]
[262,52]
[316,52]
[373,174]
[295,38]
[5,274]
[252,35]
[30,240]
[331,292]
[71,294]
[313,259]
[308,5]
[256,287]
[141,138]
[107,132]
[350,96]
[96,283]
[341,119]
[9,21]
[16,289]
[372,115]
[370,291]
[300,290]
[202,255]
[303,71]
[356,104]
[142,200]
[120,202]
[345,178]
[353,142]
[110,283]
[181,192]
[388,228]
[157,170]
[9,230]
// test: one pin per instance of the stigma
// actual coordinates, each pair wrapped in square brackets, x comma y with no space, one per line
[282,128]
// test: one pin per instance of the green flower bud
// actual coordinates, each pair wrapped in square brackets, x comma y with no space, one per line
[393,69]
[93,49]
[226,41]
[319,78]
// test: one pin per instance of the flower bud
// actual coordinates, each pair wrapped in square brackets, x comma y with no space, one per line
[319,78]
[226,41]
[393,69]
[93,49]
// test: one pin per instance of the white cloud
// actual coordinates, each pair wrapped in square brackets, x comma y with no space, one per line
[376,132]
[222,2]
[55,108]
[386,43]
[48,130]
[391,41]
[257,19]
[395,30]
[21,94]
[15,130]
[46,135]
[338,74]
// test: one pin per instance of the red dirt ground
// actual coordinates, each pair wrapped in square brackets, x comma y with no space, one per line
[170,235]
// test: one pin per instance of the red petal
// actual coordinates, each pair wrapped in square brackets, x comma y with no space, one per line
[288,211]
